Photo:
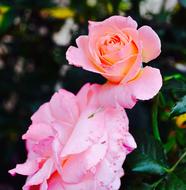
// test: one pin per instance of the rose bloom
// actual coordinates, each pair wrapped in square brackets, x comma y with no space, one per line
[115,48]
[74,143]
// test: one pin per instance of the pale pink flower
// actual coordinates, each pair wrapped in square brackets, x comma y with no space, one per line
[74,143]
[115,48]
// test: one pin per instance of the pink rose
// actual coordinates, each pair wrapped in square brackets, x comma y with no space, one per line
[74,143]
[115,48]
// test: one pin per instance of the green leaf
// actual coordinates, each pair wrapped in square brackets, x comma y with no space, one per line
[181,172]
[145,164]
[148,158]
[180,136]
[172,182]
[177,87]
[171,142]
[179,108]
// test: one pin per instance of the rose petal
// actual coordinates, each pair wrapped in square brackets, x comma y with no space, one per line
[38,132]
[122,71]
[44,186]
[76,167]
[62,132]
[151,43]
[64,107]
[88,93]
[56,146]
[105,175]
[86,184]
[119,22]
[55,182]
[34,187]
[116,94]
[115,185]
[83,94]
[87,131]
[80,56]
[129,143]
[43,147]
[120,140]
[122,54]
[42,174]
[42,115]
[27,168]
[133,71]
[147,84]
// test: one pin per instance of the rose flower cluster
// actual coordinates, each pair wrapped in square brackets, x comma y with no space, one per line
[79,142]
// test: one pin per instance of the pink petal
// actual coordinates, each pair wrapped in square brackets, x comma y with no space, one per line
[83,94]
[151,43]
[133,36]
[56,145]
[88,130]
[119,22]
[124,70]
[134,69]
[55,182]
[78,166]
[43,115]
[28,168]
[147,84]
[88,93]
[113,95]
[44,186]
[80,56]
[122,54]
[38,132]
[43,147]
[116,117]
[115,185]
[105,175]
[32,187]
[42,174]
[62,132]
[120,140]
[129,143]
[88,183]
[64,107]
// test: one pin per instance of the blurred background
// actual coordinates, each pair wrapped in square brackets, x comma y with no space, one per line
[34,36]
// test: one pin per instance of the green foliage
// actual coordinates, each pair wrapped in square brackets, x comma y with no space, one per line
[149,157]
[181,173]
[149,169]
[180,137]
[172,182]
[179,108]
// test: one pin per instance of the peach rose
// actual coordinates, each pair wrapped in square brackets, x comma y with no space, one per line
[76,145]
[115,48]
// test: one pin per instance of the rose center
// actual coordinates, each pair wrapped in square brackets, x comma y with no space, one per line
[110,44]
[109,48]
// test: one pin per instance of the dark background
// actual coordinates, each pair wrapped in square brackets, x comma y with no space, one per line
[33,66]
